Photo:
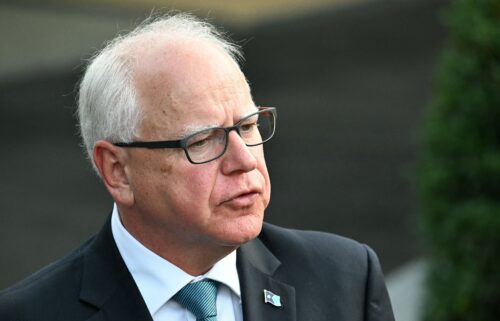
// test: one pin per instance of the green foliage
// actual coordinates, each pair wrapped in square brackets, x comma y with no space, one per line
[459,173]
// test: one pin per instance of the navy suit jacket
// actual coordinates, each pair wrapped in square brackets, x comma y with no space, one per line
[318,276]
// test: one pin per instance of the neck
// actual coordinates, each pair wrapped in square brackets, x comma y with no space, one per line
[192,259]
[195,257]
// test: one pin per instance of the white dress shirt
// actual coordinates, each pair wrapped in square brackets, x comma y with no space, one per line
[159,280]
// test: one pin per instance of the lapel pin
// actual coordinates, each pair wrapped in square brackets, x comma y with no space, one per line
[271,298]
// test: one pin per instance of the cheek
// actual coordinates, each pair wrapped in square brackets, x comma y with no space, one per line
[166,169]
[194,185]
[262,168]
[267,188]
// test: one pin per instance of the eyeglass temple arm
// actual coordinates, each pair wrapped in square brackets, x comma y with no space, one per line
[152,145]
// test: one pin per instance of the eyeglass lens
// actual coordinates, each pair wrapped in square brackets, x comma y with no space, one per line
[211,143]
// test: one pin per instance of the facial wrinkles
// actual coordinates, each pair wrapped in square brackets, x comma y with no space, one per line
[220,106]
[191,94]
[180,83]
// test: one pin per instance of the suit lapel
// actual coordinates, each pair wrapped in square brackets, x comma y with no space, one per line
[256,269]
[108,285]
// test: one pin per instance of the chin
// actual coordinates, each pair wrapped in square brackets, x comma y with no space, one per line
[242,231]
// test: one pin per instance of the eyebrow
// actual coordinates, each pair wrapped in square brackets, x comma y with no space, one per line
[190,129]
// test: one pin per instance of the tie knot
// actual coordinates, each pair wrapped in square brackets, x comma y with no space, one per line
[200,299]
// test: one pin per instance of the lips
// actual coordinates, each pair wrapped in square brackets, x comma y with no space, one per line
[242,199]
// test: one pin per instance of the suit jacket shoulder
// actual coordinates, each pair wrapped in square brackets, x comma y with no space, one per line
[318,276]
[319,248]
[38,290]
[91,283]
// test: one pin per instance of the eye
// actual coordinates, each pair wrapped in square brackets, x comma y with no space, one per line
[200,140]
[198,143]
[206,139]
[247,127]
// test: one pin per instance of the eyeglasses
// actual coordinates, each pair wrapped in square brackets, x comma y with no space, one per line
[209,144]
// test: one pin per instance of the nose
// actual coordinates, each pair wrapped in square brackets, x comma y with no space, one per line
[238,156]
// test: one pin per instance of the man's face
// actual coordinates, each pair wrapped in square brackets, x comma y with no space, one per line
[220,203]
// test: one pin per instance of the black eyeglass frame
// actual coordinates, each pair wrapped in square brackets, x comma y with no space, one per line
[182,143]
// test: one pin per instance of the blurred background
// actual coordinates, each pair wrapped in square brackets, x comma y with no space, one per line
[351,80]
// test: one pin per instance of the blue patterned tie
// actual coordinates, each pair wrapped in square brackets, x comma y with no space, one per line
[200,299]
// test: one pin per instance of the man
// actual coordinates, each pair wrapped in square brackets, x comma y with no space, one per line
[169,124]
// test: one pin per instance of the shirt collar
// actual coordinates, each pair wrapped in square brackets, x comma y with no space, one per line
[159,280]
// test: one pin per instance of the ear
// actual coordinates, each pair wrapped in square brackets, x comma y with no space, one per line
[110,160]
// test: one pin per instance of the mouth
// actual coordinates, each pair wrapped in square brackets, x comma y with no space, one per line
[243,199]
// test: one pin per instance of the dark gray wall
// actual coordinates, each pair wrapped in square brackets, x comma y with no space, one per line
[350,85]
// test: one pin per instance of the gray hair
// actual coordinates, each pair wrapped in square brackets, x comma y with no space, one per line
[107,104]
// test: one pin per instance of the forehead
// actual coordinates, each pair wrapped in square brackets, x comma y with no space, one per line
[188,84]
